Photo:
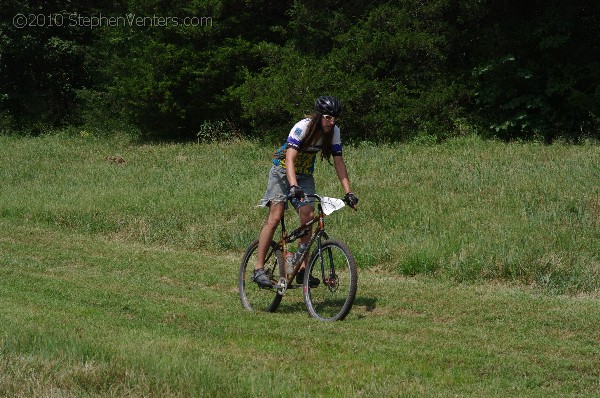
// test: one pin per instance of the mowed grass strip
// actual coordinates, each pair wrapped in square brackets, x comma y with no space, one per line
[85,315]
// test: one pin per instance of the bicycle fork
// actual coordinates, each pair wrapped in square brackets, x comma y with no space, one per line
[331,280]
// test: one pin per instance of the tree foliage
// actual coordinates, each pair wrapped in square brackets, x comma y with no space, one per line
[403,69]
[541,75]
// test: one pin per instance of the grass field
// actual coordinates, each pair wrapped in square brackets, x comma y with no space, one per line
[119,279]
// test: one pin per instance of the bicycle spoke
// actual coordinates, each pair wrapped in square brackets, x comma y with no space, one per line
[333,298]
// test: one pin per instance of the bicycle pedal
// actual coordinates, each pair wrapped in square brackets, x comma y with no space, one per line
[281,286]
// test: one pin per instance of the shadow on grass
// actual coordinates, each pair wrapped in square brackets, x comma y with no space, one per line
[361,305]
[368,302]
[292,308]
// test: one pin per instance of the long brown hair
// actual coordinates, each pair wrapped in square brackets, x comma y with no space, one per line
[315,132]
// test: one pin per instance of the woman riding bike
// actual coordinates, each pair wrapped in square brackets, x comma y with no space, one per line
[292,176]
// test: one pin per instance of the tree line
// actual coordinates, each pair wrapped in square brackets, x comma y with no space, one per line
[214,69]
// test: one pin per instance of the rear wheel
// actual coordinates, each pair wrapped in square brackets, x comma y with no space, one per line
[253,297]
[336,267]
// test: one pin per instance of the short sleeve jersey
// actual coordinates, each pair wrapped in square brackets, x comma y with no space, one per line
[305,161]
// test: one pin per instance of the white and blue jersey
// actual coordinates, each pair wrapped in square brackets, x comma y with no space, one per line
[305,161]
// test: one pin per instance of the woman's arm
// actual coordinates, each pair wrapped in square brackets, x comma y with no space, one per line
[290,170]
[342,173]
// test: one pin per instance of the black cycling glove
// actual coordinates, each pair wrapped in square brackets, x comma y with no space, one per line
[351,199]
[296,192]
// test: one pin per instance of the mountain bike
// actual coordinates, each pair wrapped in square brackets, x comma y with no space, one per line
[331,261]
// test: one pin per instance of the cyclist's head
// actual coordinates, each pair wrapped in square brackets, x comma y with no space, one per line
[327,105]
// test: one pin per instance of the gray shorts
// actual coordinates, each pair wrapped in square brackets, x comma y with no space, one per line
[278,188]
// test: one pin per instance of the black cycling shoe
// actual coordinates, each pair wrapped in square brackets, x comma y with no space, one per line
[261,278]
[312,281]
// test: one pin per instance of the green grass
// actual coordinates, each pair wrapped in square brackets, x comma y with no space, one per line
[120,279]
[468,210]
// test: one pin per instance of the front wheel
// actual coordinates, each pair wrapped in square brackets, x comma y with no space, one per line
[332,299]
[253,297]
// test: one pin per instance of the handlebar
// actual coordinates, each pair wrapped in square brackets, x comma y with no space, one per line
[320,199]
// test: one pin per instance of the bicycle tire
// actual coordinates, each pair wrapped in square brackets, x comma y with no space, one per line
[253,297]
[332,300]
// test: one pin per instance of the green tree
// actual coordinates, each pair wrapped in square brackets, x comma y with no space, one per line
[389,63]
[539,70]
[403,69]
[42,63]
[171,79]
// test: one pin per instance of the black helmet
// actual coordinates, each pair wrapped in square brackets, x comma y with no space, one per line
[328,106]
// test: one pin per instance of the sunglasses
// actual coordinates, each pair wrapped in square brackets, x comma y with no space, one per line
[330,118]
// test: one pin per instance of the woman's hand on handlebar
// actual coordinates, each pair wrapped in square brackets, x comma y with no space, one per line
[351,200]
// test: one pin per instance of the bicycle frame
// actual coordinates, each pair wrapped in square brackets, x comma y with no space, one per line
[297,233]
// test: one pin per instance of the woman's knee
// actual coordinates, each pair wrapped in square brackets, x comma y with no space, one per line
[275,215]
[306,212]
